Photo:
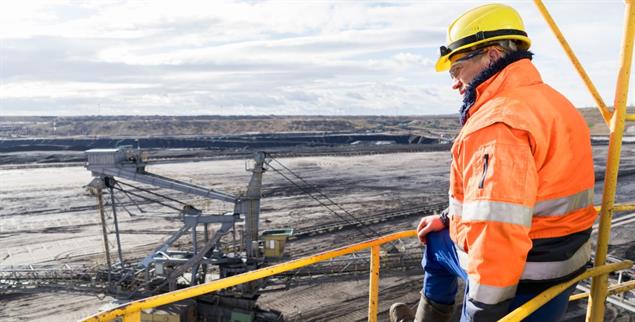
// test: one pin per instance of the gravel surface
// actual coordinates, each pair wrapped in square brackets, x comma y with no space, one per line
[48,217]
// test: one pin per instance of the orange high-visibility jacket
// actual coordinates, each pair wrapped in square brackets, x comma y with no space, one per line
[521,186]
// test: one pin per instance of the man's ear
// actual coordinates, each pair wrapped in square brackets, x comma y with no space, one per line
[493,55]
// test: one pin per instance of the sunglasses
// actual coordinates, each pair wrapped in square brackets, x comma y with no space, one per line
[454,70]
[471,55]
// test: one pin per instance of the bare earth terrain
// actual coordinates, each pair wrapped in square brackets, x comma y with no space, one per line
[198,125]
[47,217]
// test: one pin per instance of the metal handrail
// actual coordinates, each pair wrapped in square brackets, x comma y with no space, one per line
[615,121]
[132,311]
[615,289]
[606,114]
[541,299]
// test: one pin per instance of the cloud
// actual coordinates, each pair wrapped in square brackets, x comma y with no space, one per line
[66,57]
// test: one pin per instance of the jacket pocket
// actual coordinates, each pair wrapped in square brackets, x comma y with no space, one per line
[485,165]
[498,172]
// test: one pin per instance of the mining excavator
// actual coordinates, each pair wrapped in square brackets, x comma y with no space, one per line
[167,268]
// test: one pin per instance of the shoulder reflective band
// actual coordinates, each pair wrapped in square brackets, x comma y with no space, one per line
[481,35]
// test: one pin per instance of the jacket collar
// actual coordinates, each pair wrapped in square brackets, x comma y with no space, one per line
[511,71]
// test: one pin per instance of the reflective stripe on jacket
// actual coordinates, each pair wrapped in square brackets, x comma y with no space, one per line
[521,185]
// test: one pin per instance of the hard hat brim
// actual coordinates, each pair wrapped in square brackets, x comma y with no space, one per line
[444,63]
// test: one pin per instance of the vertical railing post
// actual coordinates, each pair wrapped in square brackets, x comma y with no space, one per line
[599,285]
[606,114]
[373,288]
[230,281]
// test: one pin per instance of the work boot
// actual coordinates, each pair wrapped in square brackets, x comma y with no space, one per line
[428,311]
[400,312]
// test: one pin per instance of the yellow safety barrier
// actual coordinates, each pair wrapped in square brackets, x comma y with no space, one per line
[544,297]
[606,114]
[131,311]
[599,285]
[373,285]
[615,120]
[623,207]
[615,289]
[620,207]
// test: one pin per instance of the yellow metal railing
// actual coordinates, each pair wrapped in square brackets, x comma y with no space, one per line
[615,289]
[131,311]
[615,121]
[606,114]
[544,297]
[624,207]
[620,207]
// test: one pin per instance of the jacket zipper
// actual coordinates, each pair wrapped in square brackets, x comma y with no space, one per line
[485,164]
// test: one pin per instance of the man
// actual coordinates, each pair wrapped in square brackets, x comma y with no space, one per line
[521,182]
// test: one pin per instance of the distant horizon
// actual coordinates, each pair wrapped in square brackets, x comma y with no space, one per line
[220,125]
[258,115]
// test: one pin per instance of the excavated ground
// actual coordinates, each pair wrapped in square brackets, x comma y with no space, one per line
[48,217]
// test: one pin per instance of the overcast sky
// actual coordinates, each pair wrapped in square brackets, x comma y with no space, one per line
[71,57]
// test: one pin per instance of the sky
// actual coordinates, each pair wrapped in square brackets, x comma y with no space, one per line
[147,57]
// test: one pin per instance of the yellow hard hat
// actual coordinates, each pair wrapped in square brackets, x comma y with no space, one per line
[482,25]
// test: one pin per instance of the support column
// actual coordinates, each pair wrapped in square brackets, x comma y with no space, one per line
[100,203]
[114,215]
[373,287]
[599,285]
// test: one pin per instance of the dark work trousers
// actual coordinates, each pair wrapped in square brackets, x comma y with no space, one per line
[441,266]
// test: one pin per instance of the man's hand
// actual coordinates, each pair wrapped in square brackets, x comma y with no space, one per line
[429,224]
